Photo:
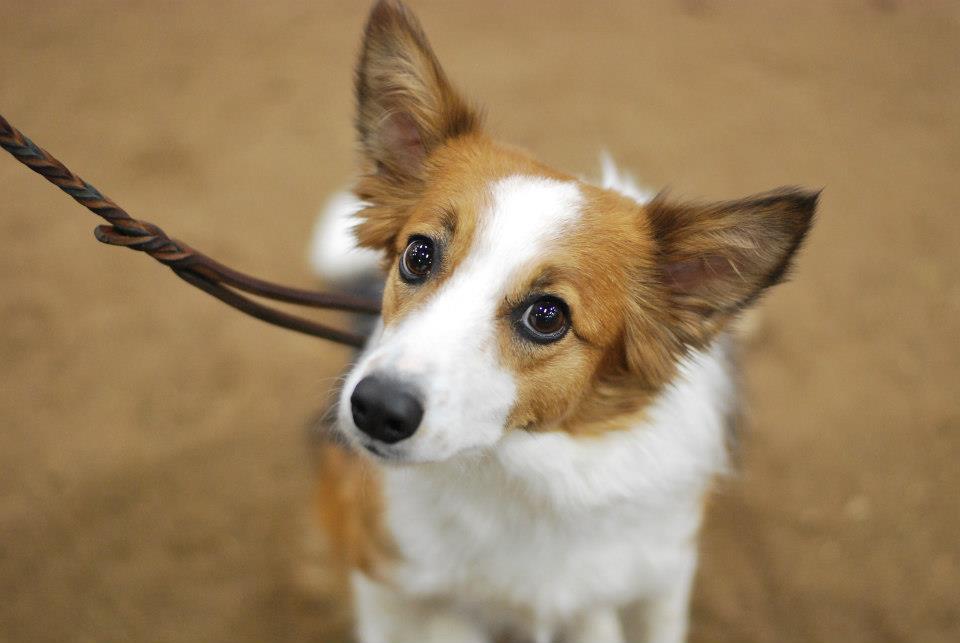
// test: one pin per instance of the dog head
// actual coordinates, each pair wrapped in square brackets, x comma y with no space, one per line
[519,298]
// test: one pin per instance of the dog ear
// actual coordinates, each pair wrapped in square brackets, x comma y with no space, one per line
[406,106]
[714,260]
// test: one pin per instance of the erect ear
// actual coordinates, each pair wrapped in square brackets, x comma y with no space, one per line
[405,104]
[716,259]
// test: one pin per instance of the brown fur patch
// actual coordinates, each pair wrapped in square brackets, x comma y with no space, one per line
[645,284]
[350,507]
[587,383]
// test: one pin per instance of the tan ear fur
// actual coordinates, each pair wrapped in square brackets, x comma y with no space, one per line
[716,259]
[406,108]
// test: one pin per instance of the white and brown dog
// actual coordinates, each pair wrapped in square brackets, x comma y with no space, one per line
[532,430]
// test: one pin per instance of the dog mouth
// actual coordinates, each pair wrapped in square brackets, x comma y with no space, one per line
[374,449]
[380,452]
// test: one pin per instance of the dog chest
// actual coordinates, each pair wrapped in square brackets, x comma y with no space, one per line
[485,545]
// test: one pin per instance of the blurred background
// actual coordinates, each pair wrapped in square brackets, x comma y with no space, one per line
[155,480]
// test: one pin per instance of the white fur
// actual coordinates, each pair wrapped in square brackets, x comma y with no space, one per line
[447,348]
[562,538]
[613,178]
[333,253]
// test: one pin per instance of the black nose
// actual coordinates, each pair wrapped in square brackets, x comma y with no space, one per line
[385,409]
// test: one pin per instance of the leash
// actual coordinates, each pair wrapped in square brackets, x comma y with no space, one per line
[194,267]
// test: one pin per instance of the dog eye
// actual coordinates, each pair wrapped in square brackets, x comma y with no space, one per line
[545,320]
[416,262]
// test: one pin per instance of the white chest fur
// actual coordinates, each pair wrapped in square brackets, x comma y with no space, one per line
[546,525]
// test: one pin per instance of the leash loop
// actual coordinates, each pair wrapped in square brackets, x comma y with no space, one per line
[194,267]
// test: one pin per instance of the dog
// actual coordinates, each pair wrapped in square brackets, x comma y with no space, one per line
[525,447]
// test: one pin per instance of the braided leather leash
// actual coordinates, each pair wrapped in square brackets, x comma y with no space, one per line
[192,266]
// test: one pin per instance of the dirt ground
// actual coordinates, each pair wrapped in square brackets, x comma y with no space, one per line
[154,476]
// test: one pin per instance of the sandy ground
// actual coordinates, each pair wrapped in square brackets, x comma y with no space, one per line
[154,476]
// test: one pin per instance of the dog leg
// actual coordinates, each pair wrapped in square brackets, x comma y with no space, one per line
[597,626]
[386,616]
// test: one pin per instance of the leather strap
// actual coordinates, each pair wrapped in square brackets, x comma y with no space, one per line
[192,266]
